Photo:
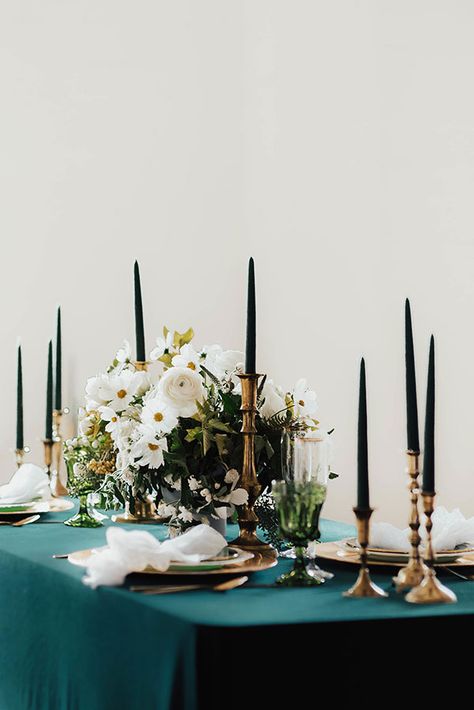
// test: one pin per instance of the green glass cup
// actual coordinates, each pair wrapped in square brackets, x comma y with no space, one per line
[298,505]
[81,483]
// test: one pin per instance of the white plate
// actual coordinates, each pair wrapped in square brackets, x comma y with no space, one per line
[81,559]
[381,555]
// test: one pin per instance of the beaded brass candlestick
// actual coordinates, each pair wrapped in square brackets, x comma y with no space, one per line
[48,455]
[364,587]
[247,518]
[57,487]
[145,511]
[412,574]
[20,455]
[430,590]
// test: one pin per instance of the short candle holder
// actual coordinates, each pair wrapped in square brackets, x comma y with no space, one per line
[364,587]
[57,487]
[430,590]
[412,574]
[247,517]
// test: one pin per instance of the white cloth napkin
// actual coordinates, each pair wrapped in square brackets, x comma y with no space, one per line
[449,529]
[133,551]
[29,482]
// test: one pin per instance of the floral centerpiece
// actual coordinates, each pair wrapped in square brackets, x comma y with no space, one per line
[172,432]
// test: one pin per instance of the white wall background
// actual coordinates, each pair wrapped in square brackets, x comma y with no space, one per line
[334,141]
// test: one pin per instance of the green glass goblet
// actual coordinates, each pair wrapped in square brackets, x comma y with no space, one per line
[81,483]
[298,505]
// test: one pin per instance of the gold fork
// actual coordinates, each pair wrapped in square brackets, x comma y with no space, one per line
[23,521]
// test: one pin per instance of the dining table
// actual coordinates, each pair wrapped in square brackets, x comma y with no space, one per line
[65,646]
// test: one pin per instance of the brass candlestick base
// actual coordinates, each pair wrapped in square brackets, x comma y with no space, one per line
[48,455]
[430,590]
[141,366]
[364,587]
[412,574]
[20,455]
[247,517]
[58,489]
[145,512]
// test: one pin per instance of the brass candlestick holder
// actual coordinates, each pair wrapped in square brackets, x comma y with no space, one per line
[364,587]
[145,511]
[48,455]
[412,574]
[20,455]
[247,517]
[58,489]
[430,590]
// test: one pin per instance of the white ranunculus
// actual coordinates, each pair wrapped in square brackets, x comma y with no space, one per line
[274,399]
[182,387]
[94,392]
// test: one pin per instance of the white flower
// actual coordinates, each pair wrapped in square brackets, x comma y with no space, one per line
[166,510]
[86,423]
[238,496]
[107,414]
[274,400]
[148,450]
[94,394]
[304,400]
[206,494]
[172,483]
[219,362]
[194,484]
[124,353]
[118,390]
[162,345]
[159,415]
[187,357]
[232,476]
[185,515]
[181,388]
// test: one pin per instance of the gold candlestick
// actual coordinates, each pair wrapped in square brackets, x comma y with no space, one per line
[412,574]
[20,455]
[248,519]
[364,587]
[57,487]
[430,590]
[48,455]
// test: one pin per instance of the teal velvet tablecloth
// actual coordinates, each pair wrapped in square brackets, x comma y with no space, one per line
[64,646]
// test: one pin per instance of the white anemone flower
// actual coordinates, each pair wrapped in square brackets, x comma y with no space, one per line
[187,357]
[163,345]
[109,415]
[305,401]
[159,416]
[148,450]
[273,400]
[118,390]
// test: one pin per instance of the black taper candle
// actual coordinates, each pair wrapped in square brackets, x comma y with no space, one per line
[58,381]
[19,402]
[250,345]
[139,328]
[49,395]
[362,448]
[429,452]
[413,443]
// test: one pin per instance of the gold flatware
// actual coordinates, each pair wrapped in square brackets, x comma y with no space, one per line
[171,589]
[20,523]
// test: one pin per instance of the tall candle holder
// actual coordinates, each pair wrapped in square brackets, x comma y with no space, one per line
[247,517]
[412,574]
[430,590]
[57,487]
[20,455]
[364,587]
[145,511]
[48,455]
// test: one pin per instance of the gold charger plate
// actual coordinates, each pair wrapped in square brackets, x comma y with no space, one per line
[333,551]
[253,562]
[55,505]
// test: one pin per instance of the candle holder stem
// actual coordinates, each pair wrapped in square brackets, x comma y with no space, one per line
[48,455]
[19,456]
[247,517]
[364,587]
[412,574]
[430,590]
[57,487]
